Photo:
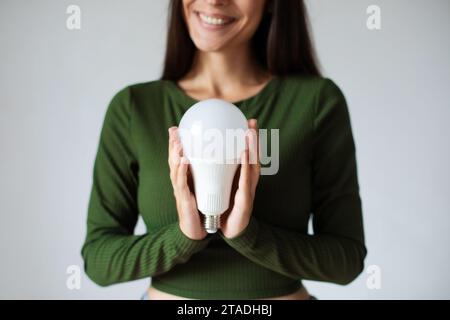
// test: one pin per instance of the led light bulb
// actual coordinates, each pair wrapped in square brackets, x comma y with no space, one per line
[212,133]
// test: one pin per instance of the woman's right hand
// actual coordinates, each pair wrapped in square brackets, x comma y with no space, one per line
[188,215]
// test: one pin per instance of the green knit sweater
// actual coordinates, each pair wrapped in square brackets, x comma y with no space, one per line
[317,178]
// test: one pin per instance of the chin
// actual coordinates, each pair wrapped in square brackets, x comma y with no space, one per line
[209,46]
[212,43]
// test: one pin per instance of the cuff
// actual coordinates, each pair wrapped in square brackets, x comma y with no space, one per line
[184,244]
[247,237]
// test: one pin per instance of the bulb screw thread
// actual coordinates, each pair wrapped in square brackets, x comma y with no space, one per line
[212,223]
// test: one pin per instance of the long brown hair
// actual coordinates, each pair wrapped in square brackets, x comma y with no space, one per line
[282,43]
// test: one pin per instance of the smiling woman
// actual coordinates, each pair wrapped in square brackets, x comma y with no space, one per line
[213,28]
[257,54]
[277,32]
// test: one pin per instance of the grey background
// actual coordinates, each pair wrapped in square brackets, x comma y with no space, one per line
[55,85]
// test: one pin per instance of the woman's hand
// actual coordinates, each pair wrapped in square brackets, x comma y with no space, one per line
[189,217]
[237,219]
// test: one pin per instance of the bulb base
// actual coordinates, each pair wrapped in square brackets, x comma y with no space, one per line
[212,223]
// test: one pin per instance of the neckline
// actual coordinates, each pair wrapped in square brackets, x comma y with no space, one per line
[189,101]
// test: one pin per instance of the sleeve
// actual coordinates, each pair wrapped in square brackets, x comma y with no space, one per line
[336,251]
[111,252]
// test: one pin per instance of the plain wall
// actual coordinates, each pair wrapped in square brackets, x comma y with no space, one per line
[55,85]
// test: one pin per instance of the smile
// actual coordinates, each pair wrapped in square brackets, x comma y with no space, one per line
[215,20]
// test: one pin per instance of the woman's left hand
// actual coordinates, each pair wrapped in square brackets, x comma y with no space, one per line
[238,217]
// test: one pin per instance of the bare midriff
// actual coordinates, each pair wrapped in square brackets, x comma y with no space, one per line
[155,294]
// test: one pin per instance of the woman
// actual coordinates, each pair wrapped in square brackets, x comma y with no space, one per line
[258,55]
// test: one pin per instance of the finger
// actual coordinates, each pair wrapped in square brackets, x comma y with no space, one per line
[182,182]
[176,154]
[179,149]
[171,131]
[254,163]
[173,136]
[190,181]
[245,168]
[175,147]
[253,141]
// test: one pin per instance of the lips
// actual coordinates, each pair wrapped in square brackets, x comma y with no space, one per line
[215,20]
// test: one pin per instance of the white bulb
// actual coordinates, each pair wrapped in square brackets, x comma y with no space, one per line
[212,133]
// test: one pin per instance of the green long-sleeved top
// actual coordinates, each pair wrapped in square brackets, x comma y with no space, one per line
[317,178]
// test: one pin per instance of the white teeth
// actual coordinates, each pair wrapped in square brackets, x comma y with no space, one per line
[211,20]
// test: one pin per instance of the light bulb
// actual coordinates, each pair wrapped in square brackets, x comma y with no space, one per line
[212,134]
